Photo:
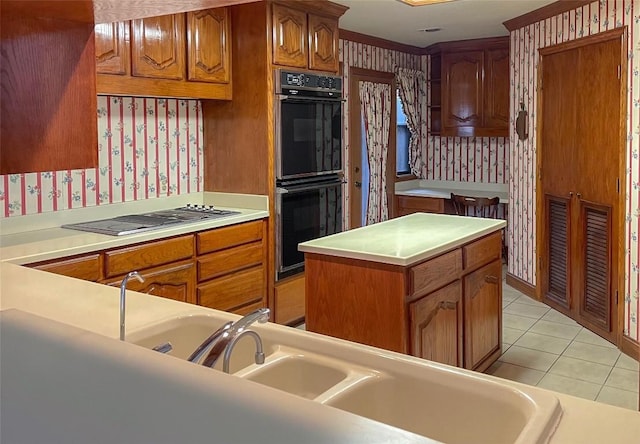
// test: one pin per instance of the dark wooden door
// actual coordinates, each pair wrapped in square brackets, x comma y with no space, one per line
[462,91]
[580,181]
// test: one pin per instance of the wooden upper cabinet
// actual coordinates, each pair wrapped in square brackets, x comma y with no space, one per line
[472,97]
[158,47]
[112,48]
[496,110]
[208,37]
[48,90]
[463,89]
[306,38]
[323,41]
[290,36]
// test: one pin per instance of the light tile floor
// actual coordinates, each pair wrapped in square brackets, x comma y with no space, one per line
[542,347]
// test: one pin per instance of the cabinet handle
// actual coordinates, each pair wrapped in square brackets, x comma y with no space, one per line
[491,279]
[579,195]
[570,193]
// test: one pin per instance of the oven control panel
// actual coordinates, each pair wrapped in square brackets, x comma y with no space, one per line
[299,83]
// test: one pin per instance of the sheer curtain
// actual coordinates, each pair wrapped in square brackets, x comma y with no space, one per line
[412,86]
[375,102]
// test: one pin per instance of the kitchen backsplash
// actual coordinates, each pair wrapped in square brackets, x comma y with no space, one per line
[147,148]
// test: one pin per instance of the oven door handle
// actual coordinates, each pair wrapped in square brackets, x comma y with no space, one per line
[283,97]
[300,188]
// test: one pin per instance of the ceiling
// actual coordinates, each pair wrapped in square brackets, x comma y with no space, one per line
[459,19]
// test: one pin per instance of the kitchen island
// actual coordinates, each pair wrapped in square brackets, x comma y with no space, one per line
[428,285]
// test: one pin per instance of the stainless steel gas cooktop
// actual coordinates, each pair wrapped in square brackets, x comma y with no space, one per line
[137,223]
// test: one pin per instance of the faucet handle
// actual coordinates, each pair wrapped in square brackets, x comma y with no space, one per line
[261,315]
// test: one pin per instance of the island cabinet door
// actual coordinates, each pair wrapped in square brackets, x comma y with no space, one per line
[483,316]
[436,325]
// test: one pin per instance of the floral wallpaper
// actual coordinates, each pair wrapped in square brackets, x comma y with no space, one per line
[147,148]
[590,19]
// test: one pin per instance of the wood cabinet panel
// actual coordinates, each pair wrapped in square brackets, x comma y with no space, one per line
[233,291]
[496,99]
[410,204]
[139,257]
[208,45]
[231,236]
[176,281]
[436,326]
[230,260]
[48,92]
[462,89]
[158,47]
[436,272]
[112,48]
[290,36]
[482,251]
[323,41]
[88,268]
[483,316]
[289,300]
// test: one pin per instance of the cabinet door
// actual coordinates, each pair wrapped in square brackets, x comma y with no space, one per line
[112,48]
[158,47]
[496,102]
[436,326]
[323,41]
[176,281]
[290,36]
[462,92]
[208,43]
[483,316]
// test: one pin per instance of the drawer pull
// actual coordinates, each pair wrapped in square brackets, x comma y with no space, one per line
[491,279]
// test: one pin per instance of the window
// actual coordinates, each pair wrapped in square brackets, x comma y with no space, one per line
[402,140]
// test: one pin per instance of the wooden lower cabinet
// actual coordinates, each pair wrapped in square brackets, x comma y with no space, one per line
[176,281]
[87,268]
[223,268]
[411,204]
[289,300]
[483,316]
[436,326]
[446,309]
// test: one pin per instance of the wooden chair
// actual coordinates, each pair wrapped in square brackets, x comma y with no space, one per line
[479,207]
[482,206]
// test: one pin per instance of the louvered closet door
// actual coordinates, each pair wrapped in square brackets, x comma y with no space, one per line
[558,230]
[580,168]
[594,285]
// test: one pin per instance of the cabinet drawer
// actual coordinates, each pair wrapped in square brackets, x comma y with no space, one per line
[139,257]
[482,251]
[227,237]
[435,273]
[229,260]
[233,291]
[409,204]
[84,267]
[289,300]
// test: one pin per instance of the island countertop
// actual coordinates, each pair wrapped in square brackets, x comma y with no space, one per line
[405,240]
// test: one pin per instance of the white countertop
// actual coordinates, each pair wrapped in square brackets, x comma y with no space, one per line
[443,189]
[46,242]
[94,307]
[405,240]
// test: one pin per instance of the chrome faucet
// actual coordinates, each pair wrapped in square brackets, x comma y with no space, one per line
[123,294]
[224,339]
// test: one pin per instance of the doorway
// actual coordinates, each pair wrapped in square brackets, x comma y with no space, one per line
[581,162]
[358,164]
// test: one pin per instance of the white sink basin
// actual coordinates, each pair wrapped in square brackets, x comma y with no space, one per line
[187,333]
[436,401]
[450,413]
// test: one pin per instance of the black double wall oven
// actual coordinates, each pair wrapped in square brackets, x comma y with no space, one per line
[308,126]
